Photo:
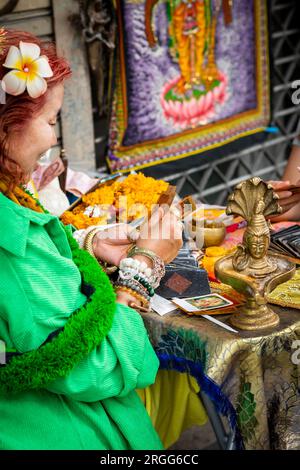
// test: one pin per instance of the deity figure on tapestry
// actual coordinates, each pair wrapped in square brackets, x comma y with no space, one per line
[191,75]
[191,98]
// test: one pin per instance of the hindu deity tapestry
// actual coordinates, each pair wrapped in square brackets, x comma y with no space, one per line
[191,76]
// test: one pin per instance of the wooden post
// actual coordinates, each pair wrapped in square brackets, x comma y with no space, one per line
[77,113]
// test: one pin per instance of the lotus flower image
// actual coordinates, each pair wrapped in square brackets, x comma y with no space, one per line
[197,108]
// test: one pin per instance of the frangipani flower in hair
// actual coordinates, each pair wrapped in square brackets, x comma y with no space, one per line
[29,70]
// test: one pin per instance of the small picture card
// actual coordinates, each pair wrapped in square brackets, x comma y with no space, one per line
[202,303]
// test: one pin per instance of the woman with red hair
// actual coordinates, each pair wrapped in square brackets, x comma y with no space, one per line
[75,349]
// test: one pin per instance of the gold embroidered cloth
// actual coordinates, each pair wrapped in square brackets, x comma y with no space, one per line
[258,372]
[288,293]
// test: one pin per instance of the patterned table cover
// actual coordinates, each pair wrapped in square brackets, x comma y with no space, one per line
[250,377]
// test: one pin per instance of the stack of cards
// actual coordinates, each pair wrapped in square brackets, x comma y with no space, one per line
[287,241]
[214,304]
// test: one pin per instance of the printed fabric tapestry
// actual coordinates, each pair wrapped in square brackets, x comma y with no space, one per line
[191,76]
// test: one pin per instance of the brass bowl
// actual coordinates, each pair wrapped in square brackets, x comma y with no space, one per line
[210,234]
[214,236]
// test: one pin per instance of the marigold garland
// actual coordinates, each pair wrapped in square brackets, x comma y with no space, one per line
[20,196]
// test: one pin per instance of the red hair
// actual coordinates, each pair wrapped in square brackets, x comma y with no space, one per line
[18,110]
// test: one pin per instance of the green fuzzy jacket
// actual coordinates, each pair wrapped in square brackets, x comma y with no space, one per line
[95,407]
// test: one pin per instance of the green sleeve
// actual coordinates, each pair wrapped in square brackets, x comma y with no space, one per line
[125,360]
[122,362]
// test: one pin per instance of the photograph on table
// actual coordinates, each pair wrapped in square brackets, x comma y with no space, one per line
[191,75]
[202,303]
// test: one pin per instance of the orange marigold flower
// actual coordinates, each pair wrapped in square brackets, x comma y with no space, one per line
[131,198]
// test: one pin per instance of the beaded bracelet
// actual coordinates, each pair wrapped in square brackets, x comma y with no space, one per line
[134,274]
[140,298]
[131,273]
[158,270]
[135,266]
[134,269]
[146,284]
[134,285]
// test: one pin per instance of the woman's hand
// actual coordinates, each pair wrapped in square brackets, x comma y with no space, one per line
[289,202]
[111,245]
[162,234]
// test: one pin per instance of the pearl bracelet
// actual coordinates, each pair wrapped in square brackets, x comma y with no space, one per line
[158,271]
[135,265]
[130,273]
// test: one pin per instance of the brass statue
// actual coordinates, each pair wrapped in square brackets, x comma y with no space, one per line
[251,270]
[252,199]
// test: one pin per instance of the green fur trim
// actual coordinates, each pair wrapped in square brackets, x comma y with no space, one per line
[83,332]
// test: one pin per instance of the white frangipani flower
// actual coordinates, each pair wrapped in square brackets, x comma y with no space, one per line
[29,70]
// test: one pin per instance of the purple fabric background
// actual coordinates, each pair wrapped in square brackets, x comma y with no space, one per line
[148,70]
